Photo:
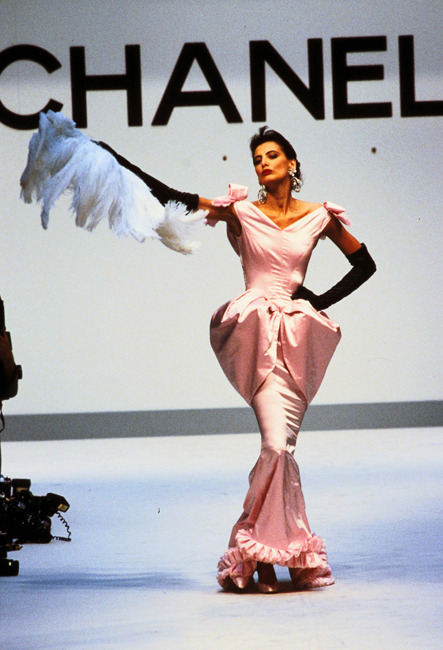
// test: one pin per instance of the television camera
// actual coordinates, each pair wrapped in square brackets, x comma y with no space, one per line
[24,517]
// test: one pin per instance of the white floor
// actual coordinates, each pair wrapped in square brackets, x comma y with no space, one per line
[150,517]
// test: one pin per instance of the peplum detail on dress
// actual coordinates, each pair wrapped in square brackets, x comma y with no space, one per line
[244,335]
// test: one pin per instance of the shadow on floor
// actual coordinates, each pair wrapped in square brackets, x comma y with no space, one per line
[87,580]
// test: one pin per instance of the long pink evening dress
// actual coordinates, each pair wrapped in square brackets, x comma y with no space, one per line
[275,351]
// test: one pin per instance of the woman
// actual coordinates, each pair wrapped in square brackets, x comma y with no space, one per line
[274,346]
[273,341]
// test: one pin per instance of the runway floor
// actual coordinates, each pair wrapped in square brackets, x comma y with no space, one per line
[151,516]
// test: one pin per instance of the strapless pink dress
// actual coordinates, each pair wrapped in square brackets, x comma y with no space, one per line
[275,351]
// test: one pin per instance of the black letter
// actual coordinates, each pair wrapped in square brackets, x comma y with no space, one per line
[130,81]
[49,63]
[342,73]
[409,107]
[175,96]
[312,96]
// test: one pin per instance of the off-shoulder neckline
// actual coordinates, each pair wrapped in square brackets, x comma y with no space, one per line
[293,223]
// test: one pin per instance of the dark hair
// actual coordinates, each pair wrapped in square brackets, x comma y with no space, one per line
[265,134]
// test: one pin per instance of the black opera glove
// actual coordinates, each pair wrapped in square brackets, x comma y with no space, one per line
[162,192]
[363,266]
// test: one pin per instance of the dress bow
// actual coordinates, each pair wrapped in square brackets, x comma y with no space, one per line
[337,211]
[235,193]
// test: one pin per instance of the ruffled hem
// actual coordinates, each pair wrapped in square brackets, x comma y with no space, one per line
[304,554]
[239,562]
[234,567]
[312,578]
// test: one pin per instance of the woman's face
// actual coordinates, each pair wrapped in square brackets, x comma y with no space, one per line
[271,163]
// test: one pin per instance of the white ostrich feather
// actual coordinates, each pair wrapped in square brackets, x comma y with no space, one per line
[61,158]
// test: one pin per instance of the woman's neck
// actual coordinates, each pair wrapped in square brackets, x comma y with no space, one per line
[279,199]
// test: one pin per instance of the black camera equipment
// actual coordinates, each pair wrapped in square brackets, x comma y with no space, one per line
[24,517]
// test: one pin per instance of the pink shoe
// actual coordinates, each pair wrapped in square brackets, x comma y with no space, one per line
[238,585]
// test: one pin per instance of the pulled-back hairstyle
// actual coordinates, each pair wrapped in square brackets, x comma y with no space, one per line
[265,134]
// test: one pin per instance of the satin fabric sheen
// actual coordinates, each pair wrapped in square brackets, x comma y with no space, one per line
[274,351]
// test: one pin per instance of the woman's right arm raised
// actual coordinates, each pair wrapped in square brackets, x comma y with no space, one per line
[63,159]
[164,193]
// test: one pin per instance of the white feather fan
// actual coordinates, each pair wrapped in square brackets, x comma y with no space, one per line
[62,158]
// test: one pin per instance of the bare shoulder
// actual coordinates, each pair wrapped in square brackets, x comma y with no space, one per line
[305,207]
[309,206]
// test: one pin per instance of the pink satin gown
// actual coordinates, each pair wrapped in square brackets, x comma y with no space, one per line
[275,351]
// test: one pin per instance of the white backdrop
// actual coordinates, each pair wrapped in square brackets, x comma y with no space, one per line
[104,324]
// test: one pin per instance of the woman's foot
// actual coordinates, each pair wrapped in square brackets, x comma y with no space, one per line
[267,580]
[238,585]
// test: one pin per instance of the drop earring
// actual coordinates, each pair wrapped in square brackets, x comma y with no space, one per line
[262,195]
[295,182]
